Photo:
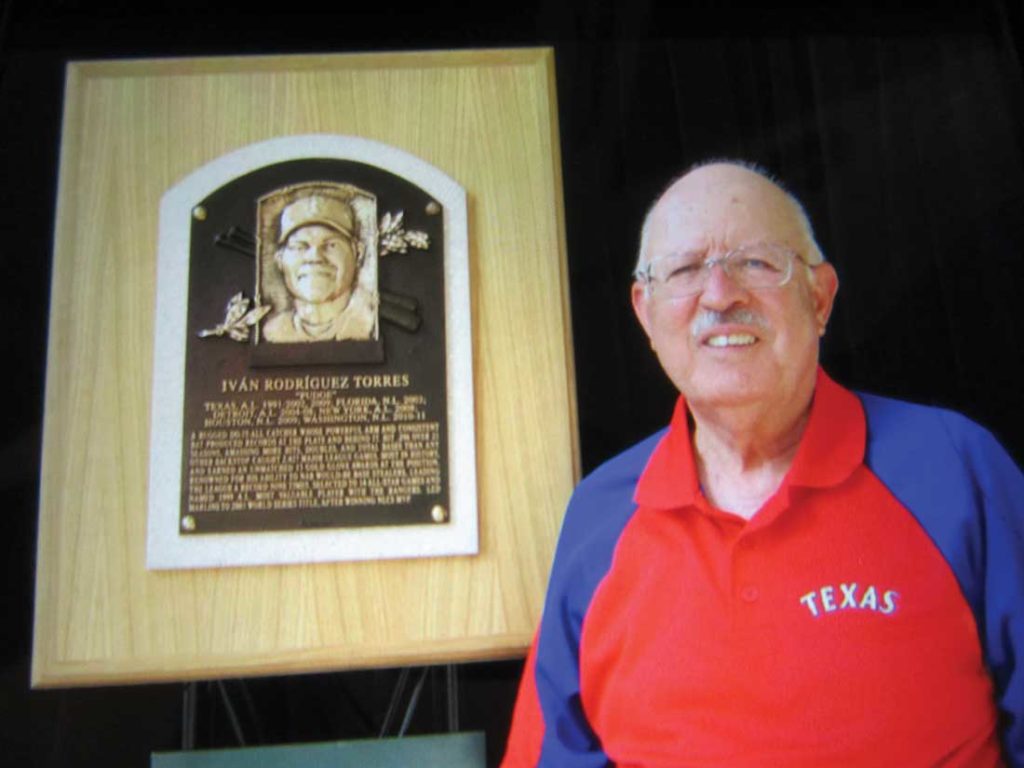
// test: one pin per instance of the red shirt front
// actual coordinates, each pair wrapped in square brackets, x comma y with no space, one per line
[828,630]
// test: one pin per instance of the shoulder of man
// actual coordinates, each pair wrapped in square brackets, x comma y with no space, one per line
[960,484]
[908,438]
[602,504]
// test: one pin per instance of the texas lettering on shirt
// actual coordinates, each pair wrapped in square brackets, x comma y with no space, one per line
[830,598]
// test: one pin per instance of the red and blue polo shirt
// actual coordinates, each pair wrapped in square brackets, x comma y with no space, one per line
[870,614]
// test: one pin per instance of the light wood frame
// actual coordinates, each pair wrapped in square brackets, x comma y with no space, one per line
[131,130]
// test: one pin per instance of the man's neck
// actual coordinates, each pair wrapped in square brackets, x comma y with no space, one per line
[743,453]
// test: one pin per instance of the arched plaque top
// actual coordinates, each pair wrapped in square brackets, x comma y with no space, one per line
[204,180]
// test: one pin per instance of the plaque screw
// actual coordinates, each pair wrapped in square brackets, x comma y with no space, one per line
[433,208]
[439,513]
[188,523]
[199,213]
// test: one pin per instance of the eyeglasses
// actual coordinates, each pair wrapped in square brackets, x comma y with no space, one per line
[754,267]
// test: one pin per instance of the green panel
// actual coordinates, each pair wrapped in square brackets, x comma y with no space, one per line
[455,750]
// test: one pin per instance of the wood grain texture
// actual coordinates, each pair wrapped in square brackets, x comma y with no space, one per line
[131,130]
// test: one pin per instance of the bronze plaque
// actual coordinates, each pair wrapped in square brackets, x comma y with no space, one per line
[315,386]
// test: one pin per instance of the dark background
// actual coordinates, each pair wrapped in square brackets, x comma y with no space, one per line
[900,130]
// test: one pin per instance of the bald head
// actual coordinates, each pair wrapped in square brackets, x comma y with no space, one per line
[727,204]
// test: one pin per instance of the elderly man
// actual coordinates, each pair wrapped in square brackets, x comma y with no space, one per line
[791,573]
[319,255]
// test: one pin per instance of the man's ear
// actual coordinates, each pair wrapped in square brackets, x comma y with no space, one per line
[360,252]
[277,258]
[824,286]
[641,305]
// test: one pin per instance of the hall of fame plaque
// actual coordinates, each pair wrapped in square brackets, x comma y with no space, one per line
[312,363]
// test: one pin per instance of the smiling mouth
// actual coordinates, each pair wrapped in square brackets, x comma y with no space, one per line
[731,340]
[316,272]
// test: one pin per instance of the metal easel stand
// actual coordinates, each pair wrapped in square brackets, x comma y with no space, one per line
[190,705]
[452,699]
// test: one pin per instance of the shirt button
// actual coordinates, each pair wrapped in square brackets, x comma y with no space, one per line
[750,594]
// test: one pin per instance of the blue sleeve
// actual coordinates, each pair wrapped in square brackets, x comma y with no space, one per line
[967,493]
[594,520]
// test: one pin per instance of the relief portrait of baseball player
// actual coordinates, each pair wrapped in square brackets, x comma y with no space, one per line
[320,257]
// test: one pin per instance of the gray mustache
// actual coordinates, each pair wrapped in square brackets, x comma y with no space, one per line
[709,318]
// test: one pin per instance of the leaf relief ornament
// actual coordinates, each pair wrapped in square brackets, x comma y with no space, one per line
[238,319]
[394,238]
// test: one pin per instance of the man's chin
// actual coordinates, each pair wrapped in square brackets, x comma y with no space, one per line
[726,398]
[729,388]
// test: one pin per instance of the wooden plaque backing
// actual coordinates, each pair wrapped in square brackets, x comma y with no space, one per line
[131,130]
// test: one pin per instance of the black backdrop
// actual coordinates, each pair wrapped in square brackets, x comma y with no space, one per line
[905,148]
[901,132]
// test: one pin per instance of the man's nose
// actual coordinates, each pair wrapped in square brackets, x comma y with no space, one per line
[316,253]
[720,290]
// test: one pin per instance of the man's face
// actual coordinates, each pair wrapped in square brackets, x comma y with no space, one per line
[318,263]
[730,346]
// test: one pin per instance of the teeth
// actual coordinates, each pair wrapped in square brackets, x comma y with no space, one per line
[732,340]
